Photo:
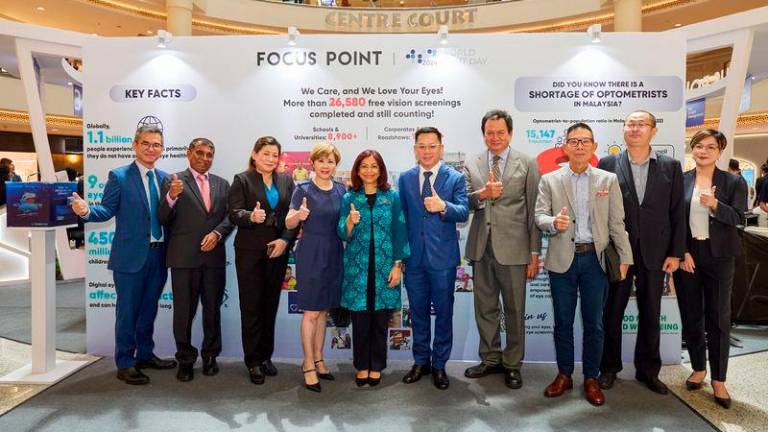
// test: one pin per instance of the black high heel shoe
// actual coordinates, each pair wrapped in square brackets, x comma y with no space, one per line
[373,382]
[311,387]
[361,381]
[693,385]
[326,376]
[723,402]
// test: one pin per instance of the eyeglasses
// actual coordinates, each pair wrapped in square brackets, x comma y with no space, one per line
[146,145]
[709,148]
[575,142]
[637,125]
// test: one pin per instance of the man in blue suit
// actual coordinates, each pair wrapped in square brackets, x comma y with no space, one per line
[137,258]
[434,198]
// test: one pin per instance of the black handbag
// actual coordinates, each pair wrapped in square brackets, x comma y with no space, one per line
[612,263]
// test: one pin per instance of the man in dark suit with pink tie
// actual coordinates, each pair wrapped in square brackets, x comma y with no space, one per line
[194,209]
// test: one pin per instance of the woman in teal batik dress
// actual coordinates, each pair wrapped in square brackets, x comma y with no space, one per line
[373,225]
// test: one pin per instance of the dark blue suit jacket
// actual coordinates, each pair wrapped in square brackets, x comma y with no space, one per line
[432,237]
[125,199]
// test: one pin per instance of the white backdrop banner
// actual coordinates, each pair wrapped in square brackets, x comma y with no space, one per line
[364,92]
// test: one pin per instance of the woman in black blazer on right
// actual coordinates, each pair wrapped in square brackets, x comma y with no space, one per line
[258,203]
[715,202]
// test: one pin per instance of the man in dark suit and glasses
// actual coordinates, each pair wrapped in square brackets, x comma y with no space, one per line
[194,208]
[652,189]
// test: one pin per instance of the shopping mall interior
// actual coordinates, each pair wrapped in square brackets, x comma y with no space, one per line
[44,137]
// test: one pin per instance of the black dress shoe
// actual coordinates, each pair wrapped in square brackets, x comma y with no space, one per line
[513,379]
[723,402]
[256,374]
[210,367]
[326,376]
[416,372]
[653,384]
[440,379]
[132,376]
[482,370]
[606,380]
[155,363]
[269,368]
[185,372]
[311,387]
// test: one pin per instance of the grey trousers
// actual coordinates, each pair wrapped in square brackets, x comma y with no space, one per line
[490,279]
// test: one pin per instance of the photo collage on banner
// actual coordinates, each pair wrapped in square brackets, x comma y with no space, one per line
[340,89]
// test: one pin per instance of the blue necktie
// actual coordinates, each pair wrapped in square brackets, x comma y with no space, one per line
[157,231]
[426,189]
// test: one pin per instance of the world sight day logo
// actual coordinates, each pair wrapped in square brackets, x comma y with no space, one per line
[422,56]
[445,56]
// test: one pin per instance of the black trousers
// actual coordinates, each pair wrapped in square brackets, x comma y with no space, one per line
[259,280]
[704,298]
[649,286]
[369,340]
[192,286]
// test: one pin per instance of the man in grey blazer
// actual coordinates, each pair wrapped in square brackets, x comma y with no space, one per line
[194,209]
[502,184]
[581,209]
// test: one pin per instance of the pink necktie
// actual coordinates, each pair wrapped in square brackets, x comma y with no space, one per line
[202,181]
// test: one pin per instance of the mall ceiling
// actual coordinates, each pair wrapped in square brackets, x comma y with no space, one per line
[122,18]
[145,17]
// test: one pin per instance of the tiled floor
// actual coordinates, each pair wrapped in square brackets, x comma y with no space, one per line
[14,355]
[747,384]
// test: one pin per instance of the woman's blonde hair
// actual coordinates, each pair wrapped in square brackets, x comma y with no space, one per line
[325,149]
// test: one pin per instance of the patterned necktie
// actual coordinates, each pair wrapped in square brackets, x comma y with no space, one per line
[202,181]
[157,231]
[426,189]
[495,169]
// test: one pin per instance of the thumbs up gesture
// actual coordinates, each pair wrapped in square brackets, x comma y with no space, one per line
[562,220]
[354,215]
[258,215]
[433,203]
[79,206]
[493,188]
[708,198]
[177,187]
[303,210]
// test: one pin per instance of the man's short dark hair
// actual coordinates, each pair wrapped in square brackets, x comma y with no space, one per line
[733,165]
[202,141]
[579,125]
[428,130]
[496,115]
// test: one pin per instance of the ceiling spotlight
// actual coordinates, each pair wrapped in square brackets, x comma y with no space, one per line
[442,34]
[164,38]
[293,34]
[678,25]
[593,32]
[40,8]
[149,31]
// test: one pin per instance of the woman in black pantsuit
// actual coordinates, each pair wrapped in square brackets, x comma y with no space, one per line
[715,202]
[258,203]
